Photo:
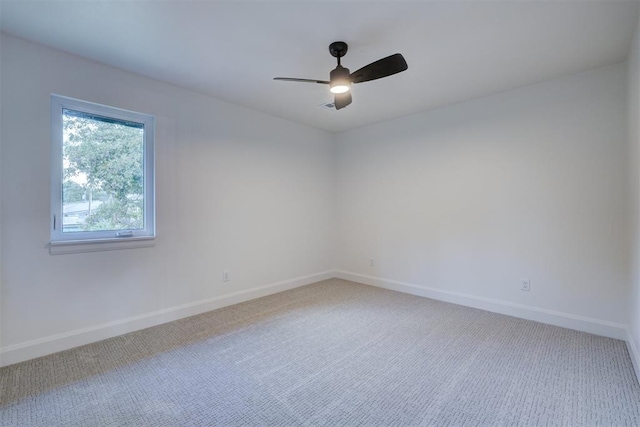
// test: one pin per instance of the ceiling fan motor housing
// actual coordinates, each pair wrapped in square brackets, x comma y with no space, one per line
[339,77]
[339,73]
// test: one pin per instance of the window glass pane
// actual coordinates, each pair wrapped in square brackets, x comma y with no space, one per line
[103,173]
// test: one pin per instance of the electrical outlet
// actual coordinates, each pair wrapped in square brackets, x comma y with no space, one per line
[525,285]
[225,276]
[372,262]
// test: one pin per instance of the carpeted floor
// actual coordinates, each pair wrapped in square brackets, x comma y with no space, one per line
[331,353]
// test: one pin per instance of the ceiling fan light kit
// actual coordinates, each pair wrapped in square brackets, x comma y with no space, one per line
[340,80]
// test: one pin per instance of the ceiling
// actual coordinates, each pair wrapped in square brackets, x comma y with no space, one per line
[456,50]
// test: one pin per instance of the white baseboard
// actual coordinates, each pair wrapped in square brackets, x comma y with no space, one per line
[565,320]
[634,354]
[55,343]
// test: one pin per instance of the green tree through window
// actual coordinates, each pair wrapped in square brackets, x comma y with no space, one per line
[103,171]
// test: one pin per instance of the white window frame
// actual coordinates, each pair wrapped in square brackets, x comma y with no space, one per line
[108,238]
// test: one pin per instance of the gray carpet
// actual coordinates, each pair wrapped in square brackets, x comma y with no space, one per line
[331,353]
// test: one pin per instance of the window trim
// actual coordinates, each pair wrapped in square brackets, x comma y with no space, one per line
[109,237]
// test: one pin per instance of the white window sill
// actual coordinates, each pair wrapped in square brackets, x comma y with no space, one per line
[80,246]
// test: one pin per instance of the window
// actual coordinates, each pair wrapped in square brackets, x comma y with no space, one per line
[102,182]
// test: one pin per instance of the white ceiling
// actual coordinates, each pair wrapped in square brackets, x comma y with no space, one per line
[456,50]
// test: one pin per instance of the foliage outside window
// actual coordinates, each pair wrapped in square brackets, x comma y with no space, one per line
[102,172]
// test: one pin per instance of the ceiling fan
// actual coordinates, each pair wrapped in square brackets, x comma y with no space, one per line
[340,80]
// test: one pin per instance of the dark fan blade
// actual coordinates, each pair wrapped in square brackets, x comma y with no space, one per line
[381,68]
[341,100]
[290,79]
